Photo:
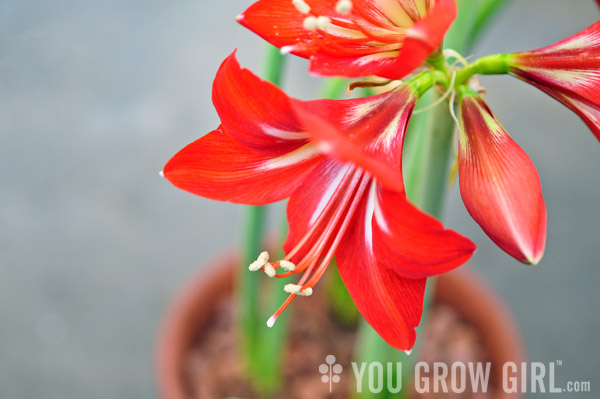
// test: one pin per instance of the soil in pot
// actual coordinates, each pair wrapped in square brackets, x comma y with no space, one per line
[213,369]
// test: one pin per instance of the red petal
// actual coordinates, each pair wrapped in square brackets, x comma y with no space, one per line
[255,112]
[499,184]
[392,305]
[587,110]
[424,37]
[412,243]
[280,23]
[368,132]
[219,167]
[311,197]
[569,71]
[354,66]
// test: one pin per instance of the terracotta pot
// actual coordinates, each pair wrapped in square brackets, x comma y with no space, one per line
[191,309]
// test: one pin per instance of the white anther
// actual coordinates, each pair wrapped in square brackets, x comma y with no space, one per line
[269,270]
[287,265]
[286,50]
[298,290]
[323,22]
[271,321]
[262,260]
[301,6]
[343,7]
[310,23]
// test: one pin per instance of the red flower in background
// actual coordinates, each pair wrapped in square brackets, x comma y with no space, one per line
[498,182]
[339,162]
[387,38]
[569,71]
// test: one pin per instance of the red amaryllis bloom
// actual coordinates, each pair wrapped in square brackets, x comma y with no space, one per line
[498,182]
[568,71]
[353,38]
[339,162]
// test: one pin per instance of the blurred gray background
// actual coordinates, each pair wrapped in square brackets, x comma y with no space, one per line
[95,96]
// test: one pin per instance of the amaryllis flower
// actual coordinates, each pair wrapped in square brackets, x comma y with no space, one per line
[498,182]
[353,38]
[339,162]
[568,71]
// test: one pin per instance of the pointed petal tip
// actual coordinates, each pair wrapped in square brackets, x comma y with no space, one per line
[161,173]
[271,321]
[533,259]
[408,351]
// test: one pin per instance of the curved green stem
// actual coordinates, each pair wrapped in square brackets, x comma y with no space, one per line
[497,64]
[424,81]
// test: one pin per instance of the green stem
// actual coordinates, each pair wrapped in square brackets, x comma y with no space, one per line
[333,88]
[274,63]
[497,64]
[429,143]
[268,369]
[426,80]
[248,286]
[250,320]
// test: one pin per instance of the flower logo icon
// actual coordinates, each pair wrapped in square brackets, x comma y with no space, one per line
[330,371]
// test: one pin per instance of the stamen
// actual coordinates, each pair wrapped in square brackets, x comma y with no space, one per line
[269,270]
[323,22]
[441,99]
[286,50]
[455,54]
[310,23]
[343,7]
[301,6]
[452,112]
[262,260]
[287,265]
[454,170]
[298,290]
[365,84]
[328,229]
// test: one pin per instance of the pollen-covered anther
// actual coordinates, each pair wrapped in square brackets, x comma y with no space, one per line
[269,270]
[343,7]
[301,6]
[286,50]
[323,22]
[287,265]
[310,23]
[298,290]
[262,260]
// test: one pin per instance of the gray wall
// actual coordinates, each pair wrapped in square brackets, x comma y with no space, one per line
[95,96]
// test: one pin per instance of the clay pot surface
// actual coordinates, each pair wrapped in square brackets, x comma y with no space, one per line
[191,310]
